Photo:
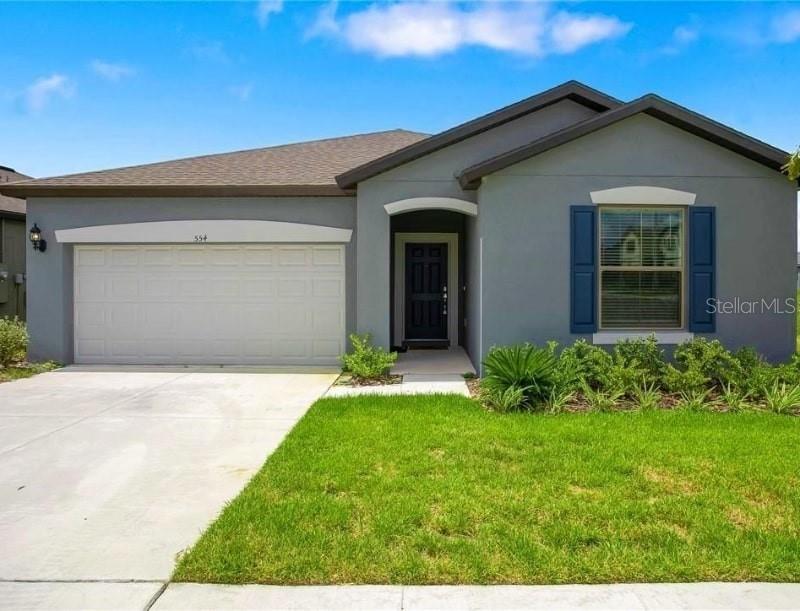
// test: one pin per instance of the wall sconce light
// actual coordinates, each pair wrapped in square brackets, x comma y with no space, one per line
[36,239]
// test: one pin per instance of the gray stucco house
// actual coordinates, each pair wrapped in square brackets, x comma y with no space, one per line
[569,214]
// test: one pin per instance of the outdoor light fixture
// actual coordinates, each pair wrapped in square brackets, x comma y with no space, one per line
[36,239]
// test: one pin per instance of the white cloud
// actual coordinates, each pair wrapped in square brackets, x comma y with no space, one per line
[427,29]
[43,89]
[785,28]
[242,92]
[109,71]
[682,37]
[265,8]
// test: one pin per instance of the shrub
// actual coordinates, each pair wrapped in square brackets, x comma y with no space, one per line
[584,362]
[13,341]
[523,367]
[709,359]
[600,400]
[697,400]
[509,399]
[735,399]
[558,400]
[782,398]
[688,381]
[642,354]
[365,361]
[647,396]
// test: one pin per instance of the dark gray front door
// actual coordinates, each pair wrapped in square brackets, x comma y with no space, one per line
[426,291]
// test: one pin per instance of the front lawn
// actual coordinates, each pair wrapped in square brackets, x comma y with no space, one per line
[433,489]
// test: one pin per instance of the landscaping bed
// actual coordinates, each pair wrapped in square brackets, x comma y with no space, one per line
[19,371]
[436,489]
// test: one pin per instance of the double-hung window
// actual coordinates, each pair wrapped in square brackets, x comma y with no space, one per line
[641,267]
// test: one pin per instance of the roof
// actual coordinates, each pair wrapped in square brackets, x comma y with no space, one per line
[571,90]
[11,205]
[650,104]
[304,168]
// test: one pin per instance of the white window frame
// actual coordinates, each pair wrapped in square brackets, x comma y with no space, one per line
[666,331]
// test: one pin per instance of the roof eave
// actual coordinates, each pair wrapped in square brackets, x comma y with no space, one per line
[572,90]
[42,190]
[689,121]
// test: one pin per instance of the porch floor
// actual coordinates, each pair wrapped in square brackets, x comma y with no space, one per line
[452,361]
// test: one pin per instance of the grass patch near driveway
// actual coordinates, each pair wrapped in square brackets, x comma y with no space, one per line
[433,489]
[21,371]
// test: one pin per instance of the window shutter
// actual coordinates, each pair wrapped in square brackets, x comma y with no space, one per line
[583,269]
[702,268]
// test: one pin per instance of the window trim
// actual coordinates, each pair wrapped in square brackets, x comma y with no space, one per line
[600,267]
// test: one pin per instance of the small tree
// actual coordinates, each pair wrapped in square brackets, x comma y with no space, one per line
[792,166]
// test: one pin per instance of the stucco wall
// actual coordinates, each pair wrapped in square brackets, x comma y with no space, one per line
[50,273]
[525,227]
[432,175]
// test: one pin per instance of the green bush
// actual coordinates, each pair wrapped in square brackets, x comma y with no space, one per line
[365,361]
[710,359]
[679,381]
[13,341]
[524,367]
[583,362]
[642,354]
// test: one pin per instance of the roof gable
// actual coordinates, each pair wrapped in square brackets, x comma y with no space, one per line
[651,105]
[571,90]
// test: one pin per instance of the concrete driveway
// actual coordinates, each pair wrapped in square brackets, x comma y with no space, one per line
[107,474]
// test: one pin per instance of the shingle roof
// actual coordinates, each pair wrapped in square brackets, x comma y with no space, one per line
[294,169]
[11,204]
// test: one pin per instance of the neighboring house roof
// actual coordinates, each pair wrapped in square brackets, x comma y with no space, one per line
[304,168]
[650,104]
[11,205]
[572,90]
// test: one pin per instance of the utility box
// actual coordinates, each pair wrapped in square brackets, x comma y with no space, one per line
[5,282]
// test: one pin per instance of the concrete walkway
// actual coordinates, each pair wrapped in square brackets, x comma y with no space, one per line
[423,371]
[180,597]
[629,597]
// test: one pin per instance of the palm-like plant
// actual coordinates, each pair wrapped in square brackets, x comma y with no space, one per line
[792,165]
[524,367]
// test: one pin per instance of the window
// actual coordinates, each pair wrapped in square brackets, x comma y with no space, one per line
[641,268]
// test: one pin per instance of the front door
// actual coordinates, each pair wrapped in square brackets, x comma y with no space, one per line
[426,291]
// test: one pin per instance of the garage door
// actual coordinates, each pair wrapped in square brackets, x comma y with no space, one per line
[271,304]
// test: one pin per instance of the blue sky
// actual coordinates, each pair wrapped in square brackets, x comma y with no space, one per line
[96,85]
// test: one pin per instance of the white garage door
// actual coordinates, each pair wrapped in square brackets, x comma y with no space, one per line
[272,304]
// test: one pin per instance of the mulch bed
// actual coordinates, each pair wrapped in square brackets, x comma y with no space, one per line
[347,380]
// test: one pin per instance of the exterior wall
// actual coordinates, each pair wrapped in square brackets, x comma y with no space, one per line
[13,237]
[51,273]
[524,223]
[472,273]
[432,175]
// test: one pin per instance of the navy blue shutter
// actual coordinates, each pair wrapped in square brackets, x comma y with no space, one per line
[702,268]
[583,269]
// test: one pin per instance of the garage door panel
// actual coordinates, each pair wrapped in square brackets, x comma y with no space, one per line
[327,256]
[209,304]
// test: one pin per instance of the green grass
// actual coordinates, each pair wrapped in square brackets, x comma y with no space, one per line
[25,370]
[433,489]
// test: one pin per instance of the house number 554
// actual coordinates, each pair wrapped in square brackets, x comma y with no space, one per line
[200,238]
